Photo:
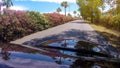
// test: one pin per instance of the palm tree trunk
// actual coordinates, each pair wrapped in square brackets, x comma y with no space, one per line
[65,11]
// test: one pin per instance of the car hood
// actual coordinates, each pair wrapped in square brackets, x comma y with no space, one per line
[17,56]
[73,45]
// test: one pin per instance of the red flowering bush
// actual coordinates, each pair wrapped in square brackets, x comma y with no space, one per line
[15,24]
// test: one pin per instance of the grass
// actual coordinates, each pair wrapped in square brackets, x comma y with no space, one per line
[112,36]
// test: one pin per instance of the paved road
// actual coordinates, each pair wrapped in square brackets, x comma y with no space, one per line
[78,30]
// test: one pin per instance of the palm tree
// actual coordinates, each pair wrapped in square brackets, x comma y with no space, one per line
[7,3]
[59,9]
[65,5]
[74,12]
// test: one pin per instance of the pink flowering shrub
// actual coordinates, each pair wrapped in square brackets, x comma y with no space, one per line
[15,24]
[57,19]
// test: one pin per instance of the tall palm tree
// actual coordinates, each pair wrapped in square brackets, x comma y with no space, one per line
[65,5]
[7,3]
[59,9]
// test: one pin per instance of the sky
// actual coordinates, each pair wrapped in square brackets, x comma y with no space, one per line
[43,6]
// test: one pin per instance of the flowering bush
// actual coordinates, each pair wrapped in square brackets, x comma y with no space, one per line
[56,18]
[15,24]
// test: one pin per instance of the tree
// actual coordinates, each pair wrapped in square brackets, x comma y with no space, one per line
[118,7]
[74,12]
[59,9]
[114,5]
[90,8]
[7,3]
[69,15]
[0,6]
[65,5]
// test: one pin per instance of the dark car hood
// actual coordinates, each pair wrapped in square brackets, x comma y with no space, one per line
[74,45]
[17,56]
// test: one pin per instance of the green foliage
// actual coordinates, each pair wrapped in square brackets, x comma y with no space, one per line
[59,9]
[69,18]
[110,21]
[90,8]
[116,22]
[118,7]
[39,20]
[7,3]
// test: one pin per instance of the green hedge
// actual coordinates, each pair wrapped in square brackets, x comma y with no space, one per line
[39,20]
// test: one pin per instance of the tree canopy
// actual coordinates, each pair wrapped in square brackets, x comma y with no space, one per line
[59,9]
[90,8]
[7,3]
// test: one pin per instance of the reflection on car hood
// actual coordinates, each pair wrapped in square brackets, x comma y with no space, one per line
[16,56]
[68,44]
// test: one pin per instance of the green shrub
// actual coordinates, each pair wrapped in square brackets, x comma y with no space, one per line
[39,20]
[116,22]
[110,21]
[69,18]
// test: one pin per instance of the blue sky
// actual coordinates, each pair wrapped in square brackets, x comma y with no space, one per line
[43,6]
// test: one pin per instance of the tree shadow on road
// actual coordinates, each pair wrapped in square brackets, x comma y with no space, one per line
[76,34]
[71,34]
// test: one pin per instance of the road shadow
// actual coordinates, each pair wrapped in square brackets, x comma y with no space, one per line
[112,38]
[76,34]
[71,34]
